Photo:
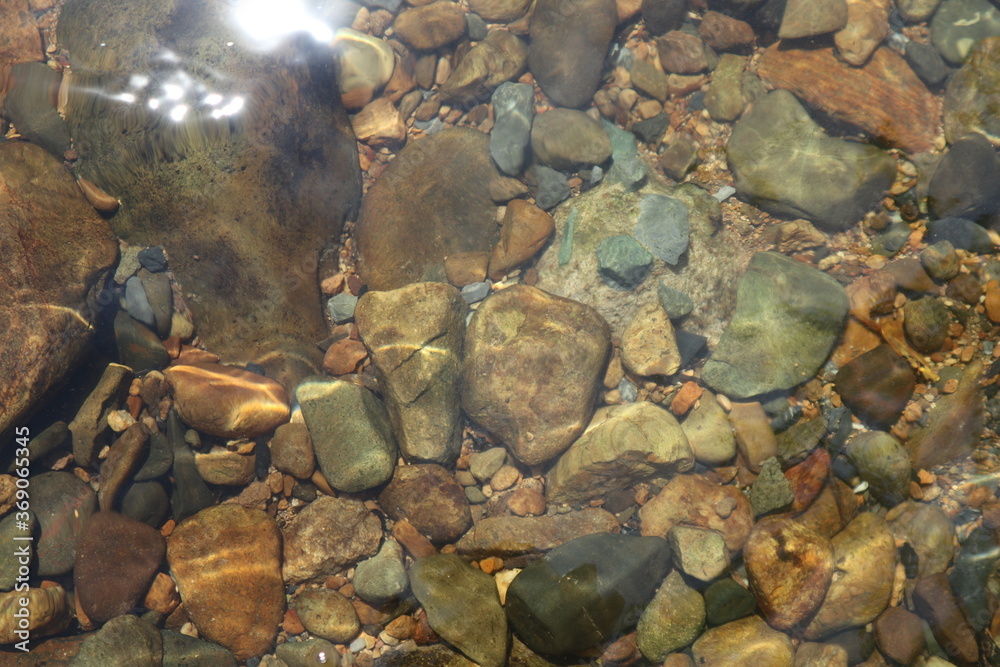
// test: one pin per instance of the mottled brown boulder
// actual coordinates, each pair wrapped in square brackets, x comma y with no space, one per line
[227,563]
[533,365]
[56,253]
[884,98]
[243,204]
[329,535]
[20,40]
[436,199]
[789,568]
[116,560]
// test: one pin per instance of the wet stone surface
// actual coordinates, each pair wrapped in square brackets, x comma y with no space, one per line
[501,333]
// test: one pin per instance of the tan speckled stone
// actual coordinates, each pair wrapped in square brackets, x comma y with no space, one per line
[865,558]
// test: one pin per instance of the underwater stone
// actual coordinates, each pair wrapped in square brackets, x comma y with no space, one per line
[584,591]
[511,134]
[663,227]
[622,262]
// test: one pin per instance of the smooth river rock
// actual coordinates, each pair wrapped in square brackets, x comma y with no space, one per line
[350,433]
[623,444]
[788,317]
[569,39]
[462,606]
[585,591]
[783,162]
[223,558]
[865,559]
[533,362]
[435,199]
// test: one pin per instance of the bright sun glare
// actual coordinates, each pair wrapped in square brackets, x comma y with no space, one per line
[267,22]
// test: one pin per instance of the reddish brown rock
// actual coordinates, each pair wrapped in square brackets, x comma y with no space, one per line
[884,98]
[935,603]
[789,568]
[832,509]
[344,356]
[899,635]
[695,501]
[116,560]
[808,478]
[227,401]
[227,564]
[724,33]
[427,496]
[525,230]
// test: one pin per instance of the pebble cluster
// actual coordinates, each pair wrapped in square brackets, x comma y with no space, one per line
[578,402]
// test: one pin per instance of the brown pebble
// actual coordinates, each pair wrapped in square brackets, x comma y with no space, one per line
[416,544]
[162,596]
[523,502]
[422,633]
[504,478]
[491,564]
[401,627]
[685,398]
[354,284]
[343,357]
[291,624]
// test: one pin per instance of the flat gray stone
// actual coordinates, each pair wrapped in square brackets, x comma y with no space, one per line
[663,227]
[510,138]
